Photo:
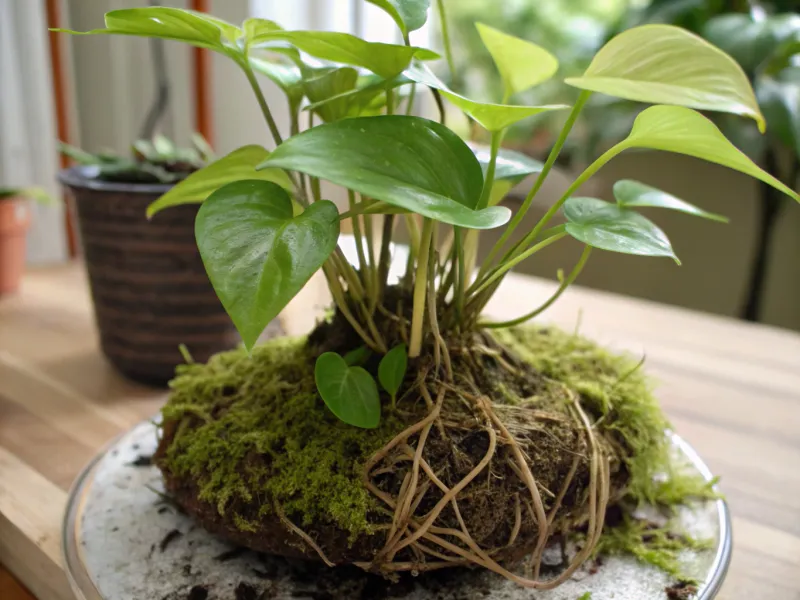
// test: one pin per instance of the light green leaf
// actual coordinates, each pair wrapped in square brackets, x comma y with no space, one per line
[176,24]
[363,97]
[492,117]
[522,64]
[610,227]
[408,162]
[287,77]
[330,85]
[257,254]
[630,194]
[409,15]
[511,165]
[164,146]
[386,60]
[392,370]
[349,392]
[682,130]
[239,164]
[663,64]
[255,27]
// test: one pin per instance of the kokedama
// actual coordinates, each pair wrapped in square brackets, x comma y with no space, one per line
[406,433]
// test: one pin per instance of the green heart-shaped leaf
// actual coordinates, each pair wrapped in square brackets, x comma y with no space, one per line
[287,77]
[386,60]
[392,369]
[609,227]
[257,254]
[492,117]
[176,24]
[409,15]
[239,164]
[365,95]
[522,64]
[630,194]
[662,64]
[413,163]
[685,131]
[350,392]
[511,165]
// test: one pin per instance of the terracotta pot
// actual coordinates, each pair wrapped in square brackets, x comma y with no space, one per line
[15,217]
[149,287]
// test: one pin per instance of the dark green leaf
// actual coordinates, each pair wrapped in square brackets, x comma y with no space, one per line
[239,164]
[511,165]
[349,392]
[409,162]
[631,194]
[609,227]
[365,95]
[386,60]
[392,369]
[409,15]
[780,101]
[751,41]
[257,254]
[287,77]
[358,356]
[176,24]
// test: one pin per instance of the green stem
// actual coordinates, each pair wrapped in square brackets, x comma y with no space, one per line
[579,181]
[461,275]
[385,257]
[564,285]
[548,165]
[359,238]
[262,102]
[448,47]
[420,287]
[488,181]
[504,268]
[389,102]
[411,97]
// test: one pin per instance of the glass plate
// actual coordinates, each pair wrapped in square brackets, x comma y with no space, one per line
[122,541]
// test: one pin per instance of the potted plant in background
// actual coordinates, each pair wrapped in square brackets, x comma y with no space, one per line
[15,219]
[407,433]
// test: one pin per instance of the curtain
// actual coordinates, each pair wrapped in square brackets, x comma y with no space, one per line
[27,123]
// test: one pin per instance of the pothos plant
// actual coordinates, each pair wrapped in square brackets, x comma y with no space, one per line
[264,229]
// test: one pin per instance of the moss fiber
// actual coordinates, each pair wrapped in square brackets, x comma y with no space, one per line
[237,408]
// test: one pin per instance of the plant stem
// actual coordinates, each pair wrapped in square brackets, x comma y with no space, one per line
[461,274]
[548,165]
[564,285]
[262,102]
[411,97]
[507,266]
[420,286]
[448,47]
[359,238]
[488,181]
[385,257]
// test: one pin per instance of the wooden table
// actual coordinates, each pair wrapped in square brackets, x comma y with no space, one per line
[731,389]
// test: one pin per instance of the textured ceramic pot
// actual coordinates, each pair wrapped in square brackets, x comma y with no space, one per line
[15,219]
[149,287]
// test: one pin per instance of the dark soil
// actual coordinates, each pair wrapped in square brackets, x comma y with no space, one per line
[142,460]
[682,590]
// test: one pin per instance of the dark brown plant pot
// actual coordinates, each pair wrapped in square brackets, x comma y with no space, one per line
[149,287]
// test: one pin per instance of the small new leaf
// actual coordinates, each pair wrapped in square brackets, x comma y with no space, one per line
[630,193]
[349,392]
[610,227]
[257,254]
[392,370]
[239,164]
[409,15]
[358,356]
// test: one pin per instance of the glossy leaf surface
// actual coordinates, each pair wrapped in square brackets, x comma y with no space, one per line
[662,64]
[257,254]
[609,227]
[386,60]
[330,86]
[780,101]
[349,392]
[408,162]
[392,369]
[630,194]
[409,15]
[522,64]
[239,164]
[287,77]
[176,24]
[510,165]
[682,130]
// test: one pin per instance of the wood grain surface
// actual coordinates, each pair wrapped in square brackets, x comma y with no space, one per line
[731,389]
